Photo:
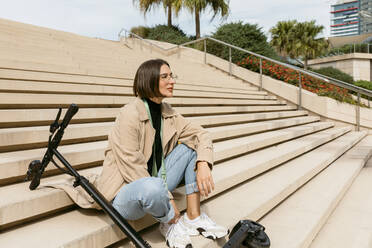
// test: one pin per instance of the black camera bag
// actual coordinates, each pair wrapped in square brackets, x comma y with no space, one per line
[249,234]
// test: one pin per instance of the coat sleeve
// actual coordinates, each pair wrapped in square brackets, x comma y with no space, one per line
[197,138]
[125,145]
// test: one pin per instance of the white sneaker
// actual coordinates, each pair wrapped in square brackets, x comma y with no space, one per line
[205,226]
[175,235]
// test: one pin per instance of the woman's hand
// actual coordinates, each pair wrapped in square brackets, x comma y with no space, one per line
[204,178]
[177,213]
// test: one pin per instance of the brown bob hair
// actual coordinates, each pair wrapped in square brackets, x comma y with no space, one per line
[146,81]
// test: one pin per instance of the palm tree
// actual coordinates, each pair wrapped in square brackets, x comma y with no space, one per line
[146,6]
[197,6]
[306,44]
[282,37]
[298,40]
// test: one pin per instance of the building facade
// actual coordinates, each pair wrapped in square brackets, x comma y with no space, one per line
[351,17]
[345,18]
[365,16]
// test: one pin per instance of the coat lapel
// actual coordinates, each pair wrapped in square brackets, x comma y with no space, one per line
[169,129]
[147,140]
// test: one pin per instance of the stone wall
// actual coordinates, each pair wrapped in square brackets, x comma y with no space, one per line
[357,65]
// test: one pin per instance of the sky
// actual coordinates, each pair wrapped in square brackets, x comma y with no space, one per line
[105,18]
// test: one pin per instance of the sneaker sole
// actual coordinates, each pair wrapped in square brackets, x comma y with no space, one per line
[187,246]
[212,236]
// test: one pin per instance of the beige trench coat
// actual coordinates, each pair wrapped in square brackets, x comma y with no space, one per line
[130,147]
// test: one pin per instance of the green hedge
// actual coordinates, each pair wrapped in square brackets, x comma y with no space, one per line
[172,34]
[141,31]
[335,73]
[168,34]
[364,84]
[246,36]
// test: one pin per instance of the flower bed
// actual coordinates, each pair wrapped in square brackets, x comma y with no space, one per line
[291,76]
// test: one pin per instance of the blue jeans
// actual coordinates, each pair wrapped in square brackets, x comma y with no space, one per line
[149,194]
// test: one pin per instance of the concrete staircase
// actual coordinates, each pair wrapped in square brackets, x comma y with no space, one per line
[274,163]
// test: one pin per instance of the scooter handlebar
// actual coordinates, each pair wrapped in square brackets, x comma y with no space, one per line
[72,110]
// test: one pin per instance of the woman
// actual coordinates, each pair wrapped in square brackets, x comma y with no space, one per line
[151,149]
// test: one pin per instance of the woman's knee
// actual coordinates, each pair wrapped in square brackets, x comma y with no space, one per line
[144,195]
[141,189]
[154,189]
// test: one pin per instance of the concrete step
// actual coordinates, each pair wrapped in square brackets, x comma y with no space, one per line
[38,66]
[23,86]
[116,71]
[40,76]
[13,165]
[36,117]
[52,65]
[96,230]
[17,205]
[18,86]
[30,52]
[32,100]
[255,198]
[12,139]
[296,221]
[121,51]
[16,37]
[350,224]
[30,58]
[244,118]
[39,51]
[34,45]
[45,46]
[37,41]
[36,31]
[238,146]
[22,138]
[26,38]
[23,205]
[34,36]
[59,67]
[219,133]
[37,76]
